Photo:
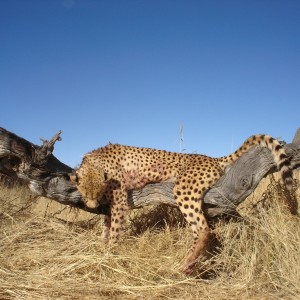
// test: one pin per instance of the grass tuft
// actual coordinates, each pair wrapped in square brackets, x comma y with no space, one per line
[44,255]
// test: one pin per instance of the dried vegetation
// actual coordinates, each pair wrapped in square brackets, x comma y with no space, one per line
[48,251]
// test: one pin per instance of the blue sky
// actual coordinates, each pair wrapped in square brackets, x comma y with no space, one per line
[134,72]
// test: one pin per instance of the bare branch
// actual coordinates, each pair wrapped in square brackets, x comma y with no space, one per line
[38,168]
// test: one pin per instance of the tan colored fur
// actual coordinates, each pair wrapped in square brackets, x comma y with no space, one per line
[115,169]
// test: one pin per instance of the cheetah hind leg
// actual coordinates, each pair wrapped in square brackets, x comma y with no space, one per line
[199,248]
[192,212]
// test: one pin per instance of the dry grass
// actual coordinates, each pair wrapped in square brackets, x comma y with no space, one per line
[51,253]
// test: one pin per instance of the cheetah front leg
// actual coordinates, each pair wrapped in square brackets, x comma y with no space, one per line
[105,233]
[119,208]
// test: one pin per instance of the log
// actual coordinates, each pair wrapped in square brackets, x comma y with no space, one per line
[37,167]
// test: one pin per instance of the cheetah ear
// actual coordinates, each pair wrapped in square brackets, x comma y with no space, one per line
[73,177]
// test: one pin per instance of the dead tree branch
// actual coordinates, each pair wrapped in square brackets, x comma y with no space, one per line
[37,167]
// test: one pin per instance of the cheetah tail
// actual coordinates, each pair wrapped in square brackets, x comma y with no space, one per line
[278,152]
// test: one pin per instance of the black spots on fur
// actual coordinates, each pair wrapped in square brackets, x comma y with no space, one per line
[271,140]
[287,175]
[285,163]
[278,147]
[236,154]
[186,206]
[283,156]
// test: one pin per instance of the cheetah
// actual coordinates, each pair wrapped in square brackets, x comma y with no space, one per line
[113,170]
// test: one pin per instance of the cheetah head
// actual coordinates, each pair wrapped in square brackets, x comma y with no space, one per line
[91,184]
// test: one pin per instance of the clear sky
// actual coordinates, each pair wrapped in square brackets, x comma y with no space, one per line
[134,71]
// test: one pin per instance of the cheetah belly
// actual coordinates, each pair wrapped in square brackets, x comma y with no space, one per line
[137,178]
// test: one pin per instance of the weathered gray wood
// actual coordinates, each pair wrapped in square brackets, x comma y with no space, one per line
[37,167]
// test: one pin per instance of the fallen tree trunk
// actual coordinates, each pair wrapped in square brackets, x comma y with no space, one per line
[46,176]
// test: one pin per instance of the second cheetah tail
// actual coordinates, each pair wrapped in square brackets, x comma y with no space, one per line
[281,159]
